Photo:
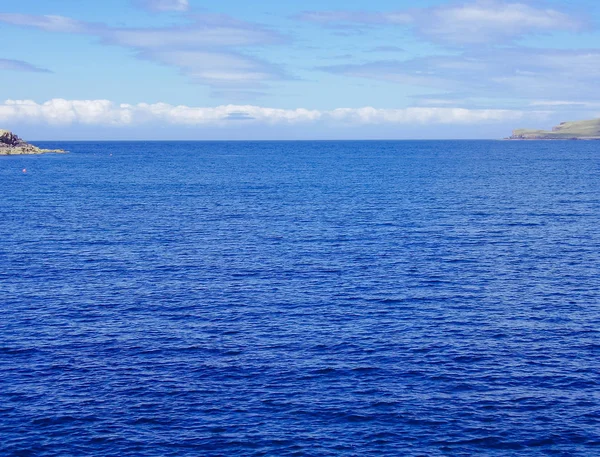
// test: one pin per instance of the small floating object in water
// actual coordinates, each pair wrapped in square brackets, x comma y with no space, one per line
[24,170]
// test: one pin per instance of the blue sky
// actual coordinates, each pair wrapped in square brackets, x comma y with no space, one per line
[233,69]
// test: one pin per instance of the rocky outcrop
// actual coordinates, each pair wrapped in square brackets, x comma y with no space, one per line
[11,144]
[578,130]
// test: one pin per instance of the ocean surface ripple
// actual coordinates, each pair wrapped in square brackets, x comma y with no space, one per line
[301,299]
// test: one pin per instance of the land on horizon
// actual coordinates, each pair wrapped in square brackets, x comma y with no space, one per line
[11,144]
[574,130]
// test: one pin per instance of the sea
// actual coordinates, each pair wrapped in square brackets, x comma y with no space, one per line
[328,298]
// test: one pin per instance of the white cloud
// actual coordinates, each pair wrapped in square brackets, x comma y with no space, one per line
[492,20]
[105,112]
[422,115]
[475,22]
[164,5]
[65,112]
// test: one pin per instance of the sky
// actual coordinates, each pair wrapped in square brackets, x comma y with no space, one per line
[351,69]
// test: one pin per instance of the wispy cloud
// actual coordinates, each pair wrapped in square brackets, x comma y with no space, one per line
[207,50]
[564,103]
[476,22]
[104,112]
[356,17]
[504,73]
[204,31]
[19,65]
[49,23]
[163,5]
[220,69]
[393,49]
[492,21]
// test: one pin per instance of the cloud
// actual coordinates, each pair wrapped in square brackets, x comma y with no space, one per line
[163,5]
[476,22]
[395,49]
[238,116]
[504,73]
[61,112]
[355,17]
[441,101]
[564,103]
[205,31]
[217,69]
[19,65]
[207,50]
[492,21]
[420,115]
[48,23]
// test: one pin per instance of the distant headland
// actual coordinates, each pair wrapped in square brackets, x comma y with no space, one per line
[578,130]
[11,144]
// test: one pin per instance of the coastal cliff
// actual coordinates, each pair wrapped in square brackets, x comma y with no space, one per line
[11,144]
[578,130]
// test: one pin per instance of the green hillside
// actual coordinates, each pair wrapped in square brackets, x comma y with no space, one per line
[576,130]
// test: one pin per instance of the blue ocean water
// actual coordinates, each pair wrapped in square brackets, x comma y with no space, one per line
[301,299]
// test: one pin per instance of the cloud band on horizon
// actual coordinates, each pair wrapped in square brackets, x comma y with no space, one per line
[106,113]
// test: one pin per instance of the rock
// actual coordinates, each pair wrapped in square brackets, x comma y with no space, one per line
[9,138]
[11,144]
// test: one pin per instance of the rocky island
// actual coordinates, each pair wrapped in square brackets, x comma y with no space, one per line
[578,130]
[11,144]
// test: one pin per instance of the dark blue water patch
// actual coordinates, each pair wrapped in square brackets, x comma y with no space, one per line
[301,298]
